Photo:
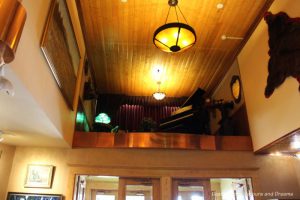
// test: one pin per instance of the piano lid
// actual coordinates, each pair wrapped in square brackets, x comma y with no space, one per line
[195,99]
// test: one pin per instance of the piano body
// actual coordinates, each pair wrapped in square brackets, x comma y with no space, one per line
[191,117]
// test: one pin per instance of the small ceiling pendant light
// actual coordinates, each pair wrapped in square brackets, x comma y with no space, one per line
[159,95]
[175,36]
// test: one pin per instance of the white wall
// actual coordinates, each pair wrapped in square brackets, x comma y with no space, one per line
[31,67]
[269,119]
[6,159]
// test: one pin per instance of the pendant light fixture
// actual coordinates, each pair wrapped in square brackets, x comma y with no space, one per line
[159,95]
[12,20]
[175,36]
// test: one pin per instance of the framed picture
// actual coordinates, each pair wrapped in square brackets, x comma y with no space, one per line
[236,88]
[31,196]
[39,176]
[59,46]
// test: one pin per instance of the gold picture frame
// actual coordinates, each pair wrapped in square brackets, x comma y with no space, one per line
[39,176]
[60,48]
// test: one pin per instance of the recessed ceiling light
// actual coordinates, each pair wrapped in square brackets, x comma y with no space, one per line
[123,1]
[225,37]
[220,6]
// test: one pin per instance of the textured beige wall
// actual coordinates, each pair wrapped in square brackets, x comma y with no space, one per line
[43,156]
[271,174]
[6,159]
[278,174]
[269,119]
[297,169]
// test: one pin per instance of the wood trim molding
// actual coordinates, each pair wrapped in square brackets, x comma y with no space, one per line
[265,149]
[161,141]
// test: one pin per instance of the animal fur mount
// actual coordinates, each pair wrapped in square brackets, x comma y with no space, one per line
[284,44]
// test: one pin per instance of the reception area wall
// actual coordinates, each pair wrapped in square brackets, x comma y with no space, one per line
[269,174]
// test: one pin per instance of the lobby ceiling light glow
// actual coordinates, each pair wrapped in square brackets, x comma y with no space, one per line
[175,36]
[158,73]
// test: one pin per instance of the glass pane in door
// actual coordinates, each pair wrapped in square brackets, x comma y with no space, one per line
[139,192]
[105,197]
[231,188]
[190,193]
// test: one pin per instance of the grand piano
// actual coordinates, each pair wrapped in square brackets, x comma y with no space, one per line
[191,117]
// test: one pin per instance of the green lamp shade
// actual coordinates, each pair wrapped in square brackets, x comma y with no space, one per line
[80,117]
[102,118]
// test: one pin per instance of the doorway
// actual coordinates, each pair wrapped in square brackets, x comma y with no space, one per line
[116,188]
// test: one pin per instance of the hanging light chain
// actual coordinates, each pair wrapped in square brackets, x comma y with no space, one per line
[176,14]
[168,14]
[176,5]
[182,15]
[168,37]
[158,83]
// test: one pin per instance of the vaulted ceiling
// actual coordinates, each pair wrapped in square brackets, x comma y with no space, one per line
[118,37]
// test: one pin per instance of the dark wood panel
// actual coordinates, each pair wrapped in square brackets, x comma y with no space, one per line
[234,143]
[240,121]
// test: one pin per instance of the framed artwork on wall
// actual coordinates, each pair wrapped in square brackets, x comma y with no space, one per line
[39,176]
[236,88]
[59,46]
[31,196]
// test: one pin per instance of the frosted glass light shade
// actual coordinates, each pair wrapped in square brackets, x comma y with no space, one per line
[174,37]
[159,95]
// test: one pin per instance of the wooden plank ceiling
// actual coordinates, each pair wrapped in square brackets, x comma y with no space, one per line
[119,43]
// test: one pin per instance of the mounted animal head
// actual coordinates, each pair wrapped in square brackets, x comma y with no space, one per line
[276,26]
[284,43]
